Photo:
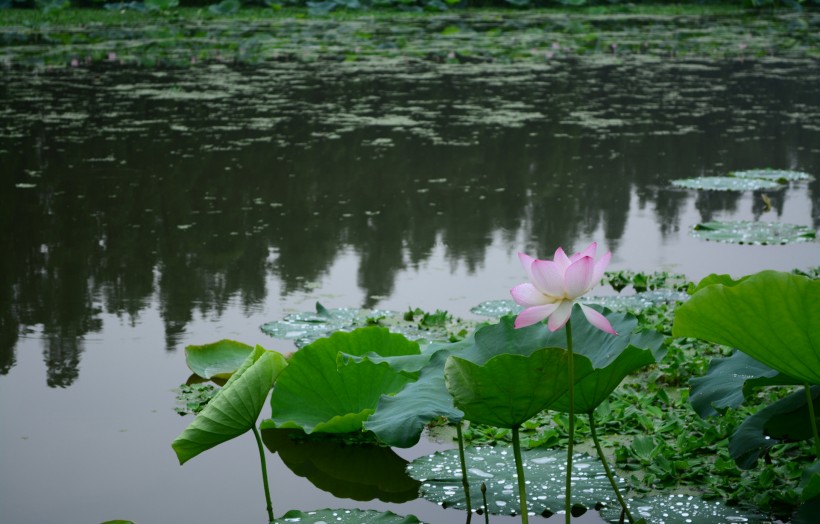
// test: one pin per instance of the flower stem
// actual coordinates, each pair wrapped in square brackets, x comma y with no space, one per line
[464,480]
[571,442]
[606,467]
[519,468]
[810,402]
[486,509]
[264,472]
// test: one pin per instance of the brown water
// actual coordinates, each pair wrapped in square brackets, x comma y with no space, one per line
[144,210]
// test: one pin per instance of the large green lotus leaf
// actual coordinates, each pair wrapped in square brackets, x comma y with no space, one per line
[219,359]
[714,278]
[725,183]
[351,471]
[683,509]
[771,316]
[785,420]
[776,175]
[233,410]
[602,348]
[316,394]
[729,381]
[344,516]
[399,420]
[810,482]
[594,388]
[753,232]
[544,469]
[808,512]
[504,338]
[508,390]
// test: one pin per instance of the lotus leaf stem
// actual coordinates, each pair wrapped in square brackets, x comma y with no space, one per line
[464,481]
[609,475]
[813,420]
[264,472]
[486,509]
[519,468]
[568,502]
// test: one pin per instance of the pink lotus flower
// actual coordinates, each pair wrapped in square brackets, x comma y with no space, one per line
[556,284]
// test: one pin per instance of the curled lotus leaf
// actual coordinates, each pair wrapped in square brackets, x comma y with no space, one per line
[729,381]
[217,360]
[400,419]
[725,183]
[235,408]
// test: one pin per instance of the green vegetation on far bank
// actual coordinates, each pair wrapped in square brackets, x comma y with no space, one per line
[127,15]
[183,37]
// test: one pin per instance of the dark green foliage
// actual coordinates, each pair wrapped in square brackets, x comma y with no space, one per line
[322,7]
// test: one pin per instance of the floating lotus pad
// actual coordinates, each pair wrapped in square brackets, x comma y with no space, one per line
[636,302]
[345,516]
[683,509]
[748,232]
[304,328]
[775,175]
[307,327]
[725,183]
[440,476]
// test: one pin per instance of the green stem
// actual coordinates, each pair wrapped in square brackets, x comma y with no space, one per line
[568,502]
[264,472]
[810,402]
[519,468]
[606,467]
[464,480]
[486,509]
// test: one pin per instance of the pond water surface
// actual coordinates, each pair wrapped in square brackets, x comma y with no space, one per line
[144,210]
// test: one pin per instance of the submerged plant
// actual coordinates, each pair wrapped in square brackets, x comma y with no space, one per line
[553,289]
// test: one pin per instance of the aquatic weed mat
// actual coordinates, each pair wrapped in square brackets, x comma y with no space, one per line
[463,37]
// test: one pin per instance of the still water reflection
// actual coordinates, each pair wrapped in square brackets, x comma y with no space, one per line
[197,201]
